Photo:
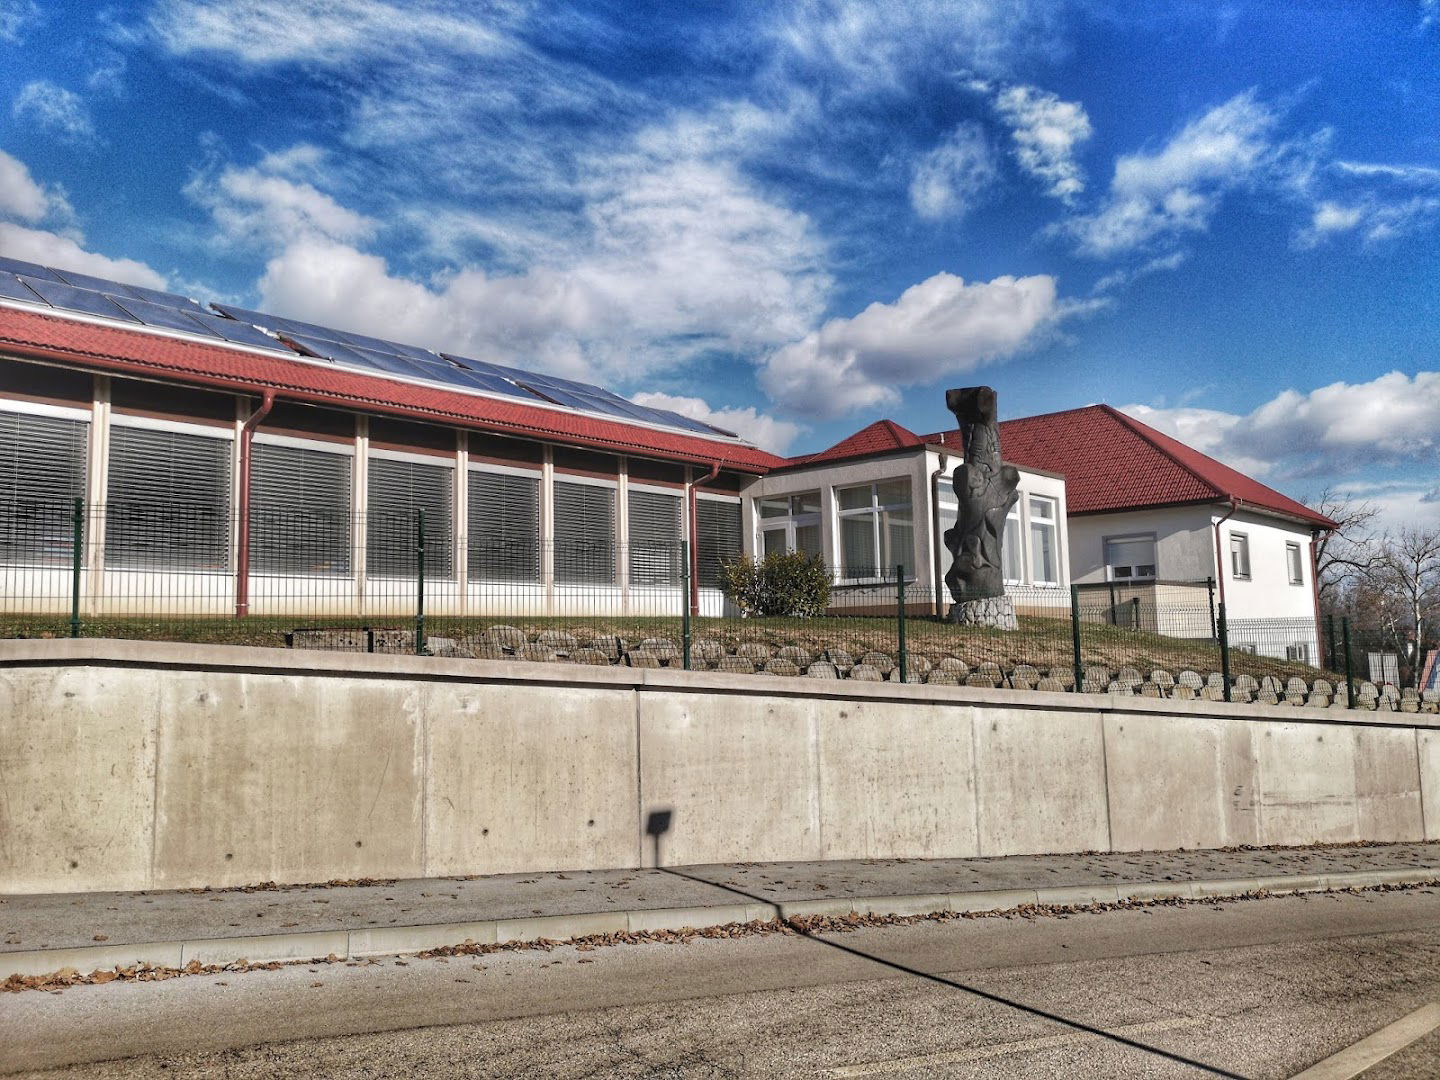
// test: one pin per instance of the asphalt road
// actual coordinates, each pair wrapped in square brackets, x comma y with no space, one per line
[1260,988]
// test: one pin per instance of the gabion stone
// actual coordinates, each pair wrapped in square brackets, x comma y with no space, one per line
[508,637]
[866,673]
[1271,683]
[609,644]
[1129,675]
[1190,679]
[842,660]
[990,670]
[753,650]
[1367,691]
[488,650]
[1268,697]
[1124,689]
[1090,686]
[539,654]
[782,667]
[735,665]
[643,658]
[940,677]
[1149,689]
[447,647]
[1053,686]
[1323,686]
[1162,678]
[1295,685]
[954,666]
[1063,675]
[1097,673]
[1183,692]
[556,639]
[707,649]
[589,656]
[349,640]
[1215,680]
[983,681]
[1246,682]
[879,661]
[795,655]
[1318,701]
[822,670]
[1025,673]
[662,647]
[996,612]
[1213,693]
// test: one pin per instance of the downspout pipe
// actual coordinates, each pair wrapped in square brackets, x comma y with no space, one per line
[694,541]
[242,560]
[1219,558]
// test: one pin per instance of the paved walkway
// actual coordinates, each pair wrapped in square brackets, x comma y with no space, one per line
[43,933]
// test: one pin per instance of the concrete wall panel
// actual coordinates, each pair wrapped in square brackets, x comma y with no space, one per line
[1179,785]
[1428,745]
[1387,785]
[521,782]
[896,780]
[1307,783]
[267,778]
[1040,778]
[77,752]
[738,774]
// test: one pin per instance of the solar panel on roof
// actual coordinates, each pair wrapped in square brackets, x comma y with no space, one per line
[241,333]
[160,315]
[121,289]
[174,300]
[29,269]
[15,289]
[73,299]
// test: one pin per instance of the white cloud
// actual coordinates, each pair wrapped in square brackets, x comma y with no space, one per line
[950,179]
[262,206]
[16,17]
[68,252]
[1392,420]
[23,199]
[1378,202]
[939,327]
[764,431]
[1046,132]
[1177,188]
[61,112]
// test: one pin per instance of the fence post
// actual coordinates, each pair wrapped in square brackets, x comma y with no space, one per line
[1349,664]
[1331,661]
[685,602]
[900,622]
[1224,650]
[420,583]
[77,557]
[1210,594]
[1135,613]
[1075,635]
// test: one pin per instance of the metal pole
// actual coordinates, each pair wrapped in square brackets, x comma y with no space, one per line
[1114,603]
[1075,635]
[900,621]
[1225,651]
[685,602]
[77,556]
[1331,660]
[1349,664]
[1135,613]
[1210,592]
[420,583]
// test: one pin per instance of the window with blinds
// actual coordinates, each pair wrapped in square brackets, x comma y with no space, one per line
[299,510]
[167,501]
[655,535]
[504,527]
[399,491]
[717,539]
[42,472]
[584,534]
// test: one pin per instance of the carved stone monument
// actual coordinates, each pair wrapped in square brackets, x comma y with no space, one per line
[986,491]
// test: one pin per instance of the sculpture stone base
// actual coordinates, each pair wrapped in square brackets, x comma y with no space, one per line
[996,612]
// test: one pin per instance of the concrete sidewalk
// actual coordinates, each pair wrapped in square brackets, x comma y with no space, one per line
[44,933]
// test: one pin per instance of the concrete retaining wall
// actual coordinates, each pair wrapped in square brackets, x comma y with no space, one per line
[135,765]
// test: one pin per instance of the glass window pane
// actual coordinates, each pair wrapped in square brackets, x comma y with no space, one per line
[299,511]
[400,491]
[1012,559]
[893,493]
[773,541]
[853,498]
[717,538]
[584,534]
[807,502]
[1042,508]
[776,506]
[857,545]
[807,539]
[900,539]
[504,527]
[1042,553]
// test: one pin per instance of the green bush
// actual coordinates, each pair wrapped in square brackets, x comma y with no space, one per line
[793,584]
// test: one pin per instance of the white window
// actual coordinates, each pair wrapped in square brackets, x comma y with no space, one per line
[1239,556]
[877,529]
[655,535]
[789,523]
[1294,564]
[299,510]
[503,526]
[1299,652]
[584,533]
[42,473]
[401,490]
[717,538]
[1044,550]
[167,500]
[1012,555]
[1130,558]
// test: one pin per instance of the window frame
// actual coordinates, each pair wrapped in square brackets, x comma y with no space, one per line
[338,449]
[1295,570]
[441,461]
[876,511]
[1243,549]
[677,569]
[790,522]
[581,480]
[473,466]
[1052,523]
[1131,538]
[61,539]
[699,541]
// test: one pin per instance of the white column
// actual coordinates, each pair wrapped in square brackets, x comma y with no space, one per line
[547,526]
[99,478]
[622,530]
[462,521]
[360,500]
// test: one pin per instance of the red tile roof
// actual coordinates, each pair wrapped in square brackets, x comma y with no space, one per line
[1111,461]
[118,349]
[879,437]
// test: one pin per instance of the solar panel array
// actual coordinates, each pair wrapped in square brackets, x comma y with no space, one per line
[70,291]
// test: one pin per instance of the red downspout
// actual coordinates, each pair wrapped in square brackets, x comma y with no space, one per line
[242,562]
[694,544]
[1219,558]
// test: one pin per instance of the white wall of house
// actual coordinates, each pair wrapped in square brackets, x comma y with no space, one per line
[1184,543]
[1268,592]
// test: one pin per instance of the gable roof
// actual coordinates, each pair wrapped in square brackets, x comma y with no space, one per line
[877,438]
[1112,461]
[116,348]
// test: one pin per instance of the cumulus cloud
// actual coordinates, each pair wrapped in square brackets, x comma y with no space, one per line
[1391,420]
[766,432]
[941,326]
[1046,132]
[54,109]
[950,179]
[264,206]
[16,17]
[23,199]
[1375,201]
[1177,188]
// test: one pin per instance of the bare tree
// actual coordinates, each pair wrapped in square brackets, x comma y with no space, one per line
[1350,551]
[1406,580]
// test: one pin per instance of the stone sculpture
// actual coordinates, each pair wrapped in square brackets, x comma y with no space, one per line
[986,491]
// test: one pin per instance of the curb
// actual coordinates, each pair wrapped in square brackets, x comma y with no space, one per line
[396,940]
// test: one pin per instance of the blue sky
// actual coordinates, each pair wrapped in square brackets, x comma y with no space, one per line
[792,219]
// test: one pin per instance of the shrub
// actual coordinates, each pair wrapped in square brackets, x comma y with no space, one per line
[792,584]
